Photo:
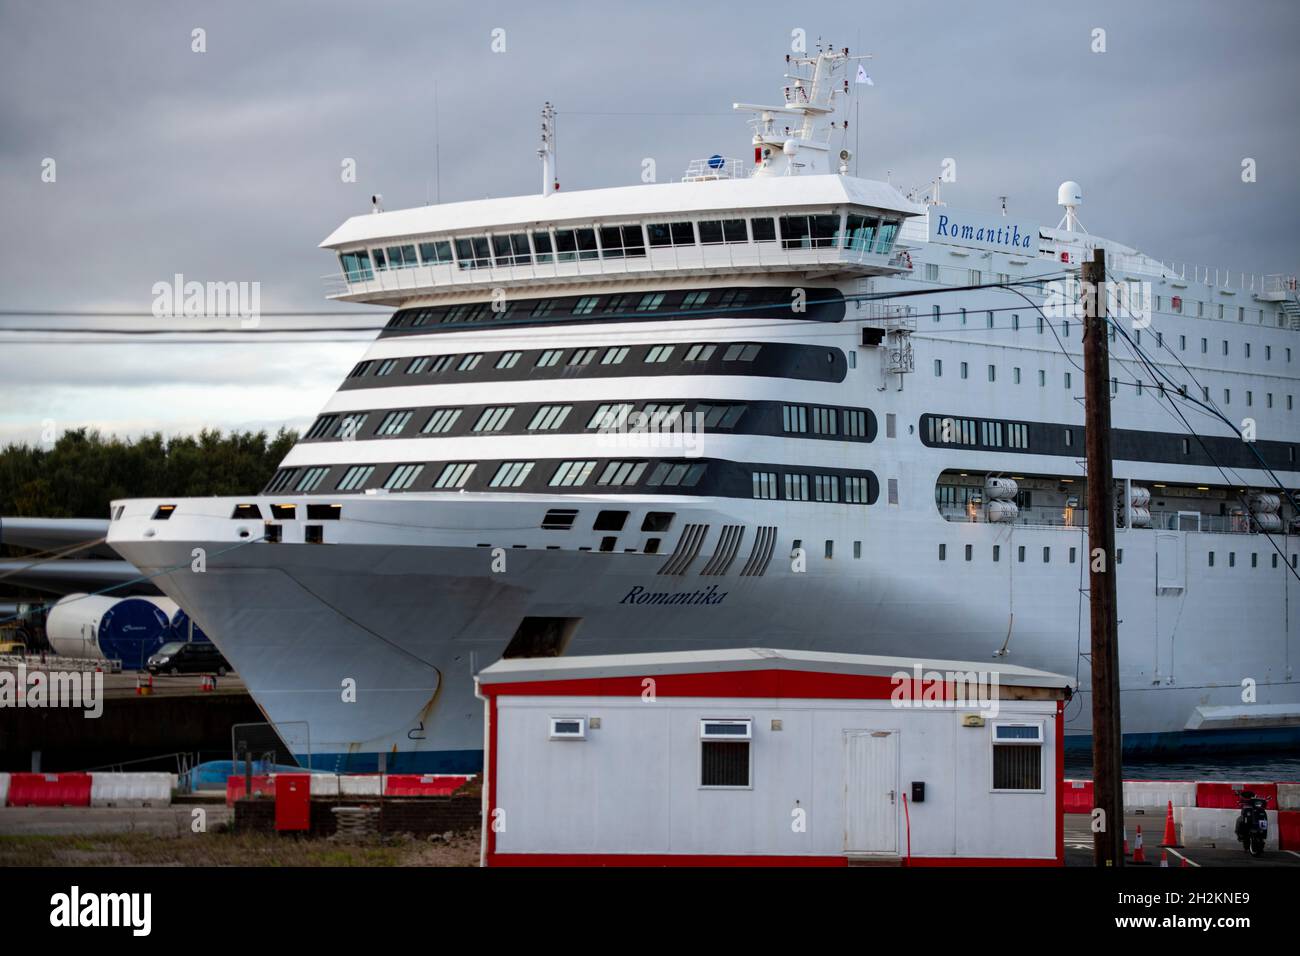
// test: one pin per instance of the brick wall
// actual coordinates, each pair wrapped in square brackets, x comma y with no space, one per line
[418,816]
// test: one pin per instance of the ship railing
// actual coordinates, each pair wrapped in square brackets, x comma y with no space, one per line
[724,257]
[1077,519]
[715,167]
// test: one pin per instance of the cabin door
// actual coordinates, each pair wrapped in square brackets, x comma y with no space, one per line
[871,791]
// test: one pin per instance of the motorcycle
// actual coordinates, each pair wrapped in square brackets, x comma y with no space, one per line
[1252,824]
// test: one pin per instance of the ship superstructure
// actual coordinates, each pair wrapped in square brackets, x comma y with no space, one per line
[769,404]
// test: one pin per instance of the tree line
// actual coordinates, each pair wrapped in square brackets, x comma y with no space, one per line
[83,470]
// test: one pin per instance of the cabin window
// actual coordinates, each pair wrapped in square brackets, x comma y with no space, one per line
[700,353]
[570,474]
[1017,756]
[441,421]
[455,474]
[724,753]
[402,477]
[741,352]
[659,353]
[355,477]
[764,484]
[610,416]
[310,479]
[549,417]
[393,423]
[494,419]
[511,474]
[614,356]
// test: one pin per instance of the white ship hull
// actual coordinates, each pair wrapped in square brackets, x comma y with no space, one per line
[410,623]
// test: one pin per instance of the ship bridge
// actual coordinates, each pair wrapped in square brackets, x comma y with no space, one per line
[815,226]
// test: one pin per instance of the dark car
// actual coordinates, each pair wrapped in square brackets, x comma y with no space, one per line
[193,657]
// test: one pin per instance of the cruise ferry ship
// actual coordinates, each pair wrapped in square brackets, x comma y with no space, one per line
[770,404]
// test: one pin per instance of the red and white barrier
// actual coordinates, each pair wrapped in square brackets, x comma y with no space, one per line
[130,789]
[1158,794]
[1216,827]
[1227,796]
[369,785]
[49,790]
[1209,795]
[324,785]
[422,785]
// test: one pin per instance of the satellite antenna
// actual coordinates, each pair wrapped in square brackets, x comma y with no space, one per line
[1070,195]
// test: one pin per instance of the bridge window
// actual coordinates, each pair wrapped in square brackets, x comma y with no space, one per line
[472,252]
[763,230]
[356,266]
[671,233]
[401,257]
[716,231]
[618,242]
[436,253]
[571,244]
[809,232]
[512,249]
[542,246]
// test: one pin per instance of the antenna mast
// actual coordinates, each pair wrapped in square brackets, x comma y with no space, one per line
[546,152]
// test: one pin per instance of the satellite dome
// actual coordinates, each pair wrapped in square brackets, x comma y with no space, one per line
[1070,193]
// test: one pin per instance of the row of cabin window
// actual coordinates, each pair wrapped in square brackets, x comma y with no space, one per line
[509,474]
[857,232]
[614,416]
[802,487]
[980,431]
[1021,551]
[1247,350]
[622,303]
[1178,305]
[1138,385]
[612,355]
[1254,559]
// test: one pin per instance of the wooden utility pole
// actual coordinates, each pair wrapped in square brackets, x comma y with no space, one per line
[1107,767]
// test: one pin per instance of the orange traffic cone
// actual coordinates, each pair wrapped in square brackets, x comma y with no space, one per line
[209,683]
[1171,837]
[1139,855]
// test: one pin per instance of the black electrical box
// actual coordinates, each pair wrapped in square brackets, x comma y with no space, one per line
[918,791]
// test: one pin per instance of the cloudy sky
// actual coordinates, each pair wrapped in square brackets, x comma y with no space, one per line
[225,165]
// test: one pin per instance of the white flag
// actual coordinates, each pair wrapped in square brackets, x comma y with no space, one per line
[862,76]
